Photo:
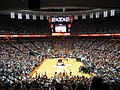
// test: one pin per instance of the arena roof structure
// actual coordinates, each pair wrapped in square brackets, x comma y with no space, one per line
[54,4]
[61,7]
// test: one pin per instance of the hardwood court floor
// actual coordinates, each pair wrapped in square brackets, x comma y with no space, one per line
[49,66]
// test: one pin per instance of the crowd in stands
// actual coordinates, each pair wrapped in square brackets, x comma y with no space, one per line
[15,61]
[102,25]
[23,26]
[102,57]
[19,57]
[108,25]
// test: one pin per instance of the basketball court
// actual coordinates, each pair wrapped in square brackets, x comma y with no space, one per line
[50,67]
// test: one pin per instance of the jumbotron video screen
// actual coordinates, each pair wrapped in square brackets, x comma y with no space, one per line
[60,24]
[60,28]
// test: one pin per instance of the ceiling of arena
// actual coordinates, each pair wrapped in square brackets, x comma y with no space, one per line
[84,4]
[58,5]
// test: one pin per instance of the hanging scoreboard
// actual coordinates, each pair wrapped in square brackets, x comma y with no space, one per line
[60,24]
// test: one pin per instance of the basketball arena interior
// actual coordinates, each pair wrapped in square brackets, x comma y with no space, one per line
[59,45]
